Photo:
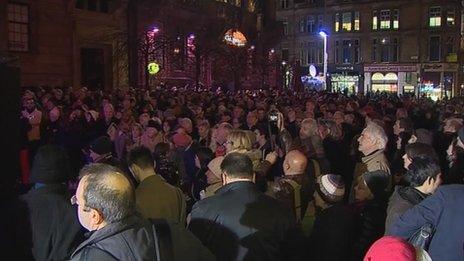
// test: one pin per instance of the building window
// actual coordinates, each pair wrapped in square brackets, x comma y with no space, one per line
[302,26]
[396,19]
[101,6]
[337,52]
[346,21]
[394,50]
[435,16]
[450,20]
[434,49]
[285,54]
[385,50]
[356,21]
[285,27]
[312,53]
[357,53]
[385,19]
[303,58]
[374,50]
[310,24]
[320,22]
[451,55]
[18,27]
[346,53]
[284,4]
[337,22]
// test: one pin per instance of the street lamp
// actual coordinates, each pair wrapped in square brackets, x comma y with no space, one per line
[325,35]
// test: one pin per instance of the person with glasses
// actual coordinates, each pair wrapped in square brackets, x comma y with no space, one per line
[106,206]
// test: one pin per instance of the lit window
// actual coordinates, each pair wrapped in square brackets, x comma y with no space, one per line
[396,19]
[346,21]
[385,19]
[356,21]
[18,27]
[310,24]
[435,16]
[337,22]
[450,17]
[374,20]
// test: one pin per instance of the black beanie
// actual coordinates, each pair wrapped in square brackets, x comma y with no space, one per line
[377,181]
[51,165]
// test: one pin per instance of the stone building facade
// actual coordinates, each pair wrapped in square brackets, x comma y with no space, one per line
[397,46]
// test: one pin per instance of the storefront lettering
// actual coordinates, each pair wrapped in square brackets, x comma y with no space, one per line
[390,68]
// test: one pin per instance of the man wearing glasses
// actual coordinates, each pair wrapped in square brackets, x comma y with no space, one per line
[106,207]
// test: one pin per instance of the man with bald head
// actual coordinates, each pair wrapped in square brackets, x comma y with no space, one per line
[293,188]
[106,207]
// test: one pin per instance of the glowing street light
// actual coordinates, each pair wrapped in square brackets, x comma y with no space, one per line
[155,30]
[324,35]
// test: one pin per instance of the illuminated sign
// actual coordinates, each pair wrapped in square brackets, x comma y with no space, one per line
[235,38]
[153,68]
[312,70]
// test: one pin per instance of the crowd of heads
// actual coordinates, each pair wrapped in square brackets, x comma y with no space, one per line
[198,139]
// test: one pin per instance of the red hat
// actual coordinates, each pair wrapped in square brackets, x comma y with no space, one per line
[390,248]
[181,140]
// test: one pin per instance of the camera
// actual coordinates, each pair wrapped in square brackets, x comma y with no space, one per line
[273,116]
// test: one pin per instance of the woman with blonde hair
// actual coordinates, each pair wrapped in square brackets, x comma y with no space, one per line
[240,141]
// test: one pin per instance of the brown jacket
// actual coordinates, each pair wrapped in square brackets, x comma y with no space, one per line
[376,161]
[155,198]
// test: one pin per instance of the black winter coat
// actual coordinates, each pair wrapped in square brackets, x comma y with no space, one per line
[55,228]
[332,234]
[241,223]
[369,226]
[133,239]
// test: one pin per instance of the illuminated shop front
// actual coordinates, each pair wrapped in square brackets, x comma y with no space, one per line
[438,80]
[345,78]
[391,78]
[384,82]
[345,83]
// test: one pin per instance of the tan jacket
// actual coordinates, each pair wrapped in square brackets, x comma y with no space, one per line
[155,198]
[376,161]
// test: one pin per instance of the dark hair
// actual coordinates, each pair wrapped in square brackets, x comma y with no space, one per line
[262,130]
[406,124]
[421,168]
[205,155]
[237,165]
[141,157]
[421,149]
[114,203]
[162,149]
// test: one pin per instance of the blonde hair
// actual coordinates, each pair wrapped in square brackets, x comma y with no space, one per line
[239,140]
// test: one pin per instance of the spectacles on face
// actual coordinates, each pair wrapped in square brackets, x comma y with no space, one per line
[74,202]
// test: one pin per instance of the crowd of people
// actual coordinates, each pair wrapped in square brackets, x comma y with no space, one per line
[159,174]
